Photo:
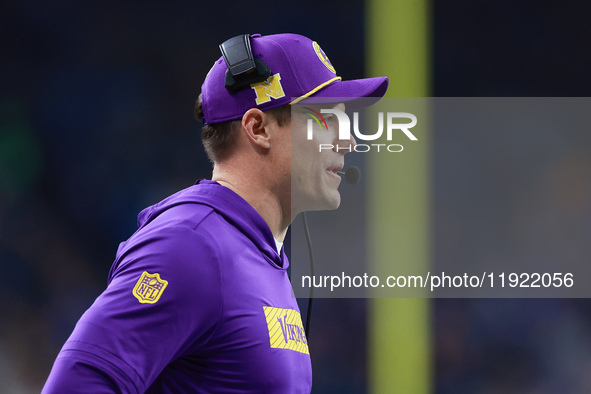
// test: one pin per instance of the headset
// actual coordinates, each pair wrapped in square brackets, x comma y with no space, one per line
[243,70]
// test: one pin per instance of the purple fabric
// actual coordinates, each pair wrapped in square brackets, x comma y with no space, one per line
[207,331]
[301,68]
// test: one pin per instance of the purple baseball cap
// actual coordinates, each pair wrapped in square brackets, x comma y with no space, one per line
[299,70]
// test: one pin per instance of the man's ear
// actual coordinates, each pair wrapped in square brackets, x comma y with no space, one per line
[255,124]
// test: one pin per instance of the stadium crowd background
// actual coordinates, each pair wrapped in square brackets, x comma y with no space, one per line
[96,123]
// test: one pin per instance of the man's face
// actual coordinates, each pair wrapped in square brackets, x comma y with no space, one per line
[314,178]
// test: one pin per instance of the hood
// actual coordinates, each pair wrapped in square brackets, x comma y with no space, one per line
[233,208]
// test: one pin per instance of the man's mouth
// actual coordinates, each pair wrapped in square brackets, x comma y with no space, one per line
[335,168]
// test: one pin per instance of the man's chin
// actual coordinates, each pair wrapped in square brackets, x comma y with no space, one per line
[336,202]
[329,203]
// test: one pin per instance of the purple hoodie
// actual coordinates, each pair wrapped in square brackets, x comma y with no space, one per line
[198,301]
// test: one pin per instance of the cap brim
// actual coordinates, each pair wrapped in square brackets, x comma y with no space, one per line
[349,92]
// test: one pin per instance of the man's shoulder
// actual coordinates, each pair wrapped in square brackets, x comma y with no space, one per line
[190,206]
[188,215]
[175,236]
[190,228]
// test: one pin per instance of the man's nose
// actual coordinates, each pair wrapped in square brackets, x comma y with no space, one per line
[345,145]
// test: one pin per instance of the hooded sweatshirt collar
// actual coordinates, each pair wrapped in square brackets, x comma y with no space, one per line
[231,207]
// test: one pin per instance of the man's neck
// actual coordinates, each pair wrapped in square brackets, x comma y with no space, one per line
[258,195]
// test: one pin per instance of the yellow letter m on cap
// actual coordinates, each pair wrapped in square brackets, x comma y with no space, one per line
[266,90]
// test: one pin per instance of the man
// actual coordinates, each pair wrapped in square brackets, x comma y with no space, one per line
[198,298]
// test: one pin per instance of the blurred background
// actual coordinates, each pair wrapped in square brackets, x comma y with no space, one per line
[96,123]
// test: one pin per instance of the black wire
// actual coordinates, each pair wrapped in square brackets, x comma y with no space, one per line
[309,241]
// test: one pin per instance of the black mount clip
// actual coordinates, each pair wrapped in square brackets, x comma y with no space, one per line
[243,68]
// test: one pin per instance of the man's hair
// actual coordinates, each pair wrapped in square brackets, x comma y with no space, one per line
[219,138]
